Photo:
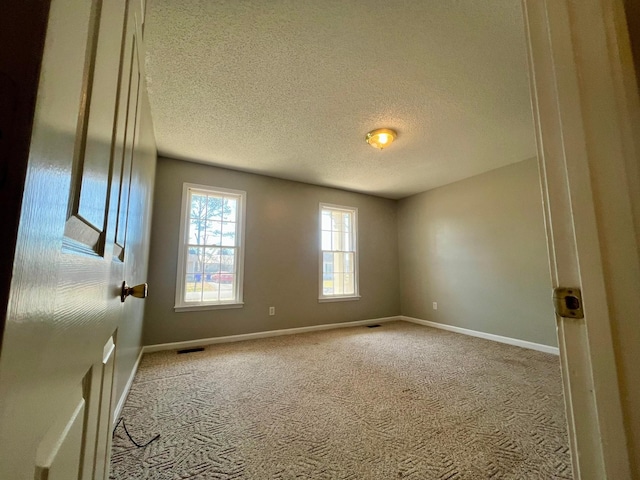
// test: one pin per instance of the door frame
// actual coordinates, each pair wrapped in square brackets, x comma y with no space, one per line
[585,107]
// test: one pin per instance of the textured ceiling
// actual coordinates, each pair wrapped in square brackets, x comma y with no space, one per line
[289,88]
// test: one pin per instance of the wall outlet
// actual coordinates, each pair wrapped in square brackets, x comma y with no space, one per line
[272,311]
[435,305]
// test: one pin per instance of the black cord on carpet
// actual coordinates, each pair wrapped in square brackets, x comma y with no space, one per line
[129,435]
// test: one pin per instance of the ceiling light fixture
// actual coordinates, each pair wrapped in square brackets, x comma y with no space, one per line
[381,137]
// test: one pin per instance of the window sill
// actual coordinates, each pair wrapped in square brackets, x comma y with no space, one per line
[217,306]
[338,299]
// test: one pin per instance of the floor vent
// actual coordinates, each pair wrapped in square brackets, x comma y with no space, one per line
[373,326]
[191,350]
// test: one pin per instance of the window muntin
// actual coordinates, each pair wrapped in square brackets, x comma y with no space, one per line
[338,252]
[211,248]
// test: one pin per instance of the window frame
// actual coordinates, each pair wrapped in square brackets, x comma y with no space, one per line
[180,304]
[354,241]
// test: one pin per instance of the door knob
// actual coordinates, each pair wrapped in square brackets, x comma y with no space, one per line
[139,291]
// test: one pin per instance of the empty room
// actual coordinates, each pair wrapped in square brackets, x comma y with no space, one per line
[261,113]
[321,240]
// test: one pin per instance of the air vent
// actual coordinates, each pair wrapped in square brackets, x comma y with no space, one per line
[191,350]
[373,326]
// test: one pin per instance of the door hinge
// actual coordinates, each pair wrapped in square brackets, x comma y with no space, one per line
[568,302]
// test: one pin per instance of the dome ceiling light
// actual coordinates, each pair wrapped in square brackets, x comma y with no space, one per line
[381,138]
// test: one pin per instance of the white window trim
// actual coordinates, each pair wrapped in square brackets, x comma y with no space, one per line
[339,298]
[180,304]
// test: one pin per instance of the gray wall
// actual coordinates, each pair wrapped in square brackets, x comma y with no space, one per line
[478,248]
[281,256]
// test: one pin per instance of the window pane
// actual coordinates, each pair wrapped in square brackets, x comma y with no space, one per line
[339,262]
[227,286]
[194,260]
[193,287]
[214,208]
[228,234]
[337,284]
[327,262]
[349,263]
[212,262]
[346,222]
[326,220]
[213,232]
[210,291]
[336,238]
[196,231]
[212,254]
[349,284]
[326,240]
[227,262]
[336,219]
[346,241]
[327,283]
[198,205]
[230,208]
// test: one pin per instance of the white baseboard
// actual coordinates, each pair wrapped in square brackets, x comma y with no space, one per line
[271,333]
[127,387]
[201,342]
[487,336]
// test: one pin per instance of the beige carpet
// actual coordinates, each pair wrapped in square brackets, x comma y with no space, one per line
[397,401]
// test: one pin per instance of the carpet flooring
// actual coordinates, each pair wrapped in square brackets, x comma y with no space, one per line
[400,401]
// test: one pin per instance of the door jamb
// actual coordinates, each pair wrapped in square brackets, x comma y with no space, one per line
[584,107]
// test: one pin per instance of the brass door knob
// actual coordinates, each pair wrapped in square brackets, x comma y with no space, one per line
[139,291]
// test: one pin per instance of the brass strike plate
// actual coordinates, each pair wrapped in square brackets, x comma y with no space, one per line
[568,302]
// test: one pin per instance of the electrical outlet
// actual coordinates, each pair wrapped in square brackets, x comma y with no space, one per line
[272,310]
[435,305]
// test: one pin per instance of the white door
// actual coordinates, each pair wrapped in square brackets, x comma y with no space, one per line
[58,349]
[585,100]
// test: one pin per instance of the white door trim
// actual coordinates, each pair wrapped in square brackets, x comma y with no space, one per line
[582,124]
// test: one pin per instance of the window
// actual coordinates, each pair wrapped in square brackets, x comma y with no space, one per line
[339,253]
[211,249]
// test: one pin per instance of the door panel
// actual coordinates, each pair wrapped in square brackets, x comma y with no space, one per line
[92,162]
[103,431]
[58,355]
[75,228]
[60,452]
[127,154]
